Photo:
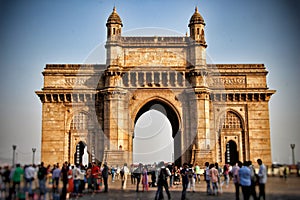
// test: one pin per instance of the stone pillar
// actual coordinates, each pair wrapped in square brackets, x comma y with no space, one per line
[116,127]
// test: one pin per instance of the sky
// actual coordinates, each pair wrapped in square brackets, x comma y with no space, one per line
[34,33]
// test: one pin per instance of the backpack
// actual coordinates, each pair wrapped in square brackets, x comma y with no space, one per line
[163,174]
[122,172]
[41,173]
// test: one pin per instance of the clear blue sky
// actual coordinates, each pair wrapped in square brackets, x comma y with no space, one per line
[34,33]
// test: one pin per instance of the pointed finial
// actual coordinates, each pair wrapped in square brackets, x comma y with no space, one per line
[114,9]
[196,9]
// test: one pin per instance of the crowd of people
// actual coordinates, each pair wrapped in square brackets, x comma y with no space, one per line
[62,182]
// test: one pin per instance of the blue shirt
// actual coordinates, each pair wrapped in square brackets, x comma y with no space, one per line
[245,176]
[56,173]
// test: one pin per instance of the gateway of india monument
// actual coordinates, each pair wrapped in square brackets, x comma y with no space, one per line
[218,112]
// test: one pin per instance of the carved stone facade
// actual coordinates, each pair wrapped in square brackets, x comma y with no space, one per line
[219,113]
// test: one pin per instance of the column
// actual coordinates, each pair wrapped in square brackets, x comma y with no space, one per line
[129,80]
[145,79]
[160,78]
[175,79]
[137,79]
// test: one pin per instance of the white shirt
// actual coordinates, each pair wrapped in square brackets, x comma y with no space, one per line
[126,170]
[262,174]
[29,172]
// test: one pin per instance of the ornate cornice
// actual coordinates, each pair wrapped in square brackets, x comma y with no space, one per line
[242,96]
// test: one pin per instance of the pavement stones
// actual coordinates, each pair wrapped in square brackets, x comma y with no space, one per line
[276,189]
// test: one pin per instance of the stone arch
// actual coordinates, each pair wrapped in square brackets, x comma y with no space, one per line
[230,110]
[74,136]
[171,112]
[231,127]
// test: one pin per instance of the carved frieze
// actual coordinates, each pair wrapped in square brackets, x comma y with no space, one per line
[230,81]
[75,81]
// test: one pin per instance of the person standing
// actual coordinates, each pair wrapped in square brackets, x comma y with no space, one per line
[191,177]
[214,176]
[18,172]
[113,172]
[197,172]
[253,180]
[42,176]
[220,184]
[76,178]
[171,169]
[245,180]
[64,176]
[137,175]
[95,173]
[82,179]
[89,177]
[145,179]
[105,173]
[207,178]
[185,180]
[162,181]
[226,174]
[262,174]
[235,178]
[132,178]
[70,181]
[6,180]
[124,175]
[55,177]
[29,177]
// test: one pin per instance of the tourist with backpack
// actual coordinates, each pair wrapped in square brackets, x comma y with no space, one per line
[162,181]
[185,180]
[42,176]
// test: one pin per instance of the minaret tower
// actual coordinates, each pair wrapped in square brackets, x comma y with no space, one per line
[113,49]
[198,75]
[198,47]
[197,28]
[114,25]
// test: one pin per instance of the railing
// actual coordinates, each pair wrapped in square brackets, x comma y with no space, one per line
[164,79]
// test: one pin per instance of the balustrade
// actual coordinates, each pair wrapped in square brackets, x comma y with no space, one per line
[154,79]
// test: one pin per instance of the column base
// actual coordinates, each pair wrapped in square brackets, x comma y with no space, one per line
[114,157]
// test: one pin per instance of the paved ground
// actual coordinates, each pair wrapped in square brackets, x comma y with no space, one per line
[276,189]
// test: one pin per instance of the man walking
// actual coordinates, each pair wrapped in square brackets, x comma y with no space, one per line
[42,175]
[124,175]
[164,172]
[29,177]
[262,174]
[105,172]
[207,178]
[235,178]
[245,180]
[185,180]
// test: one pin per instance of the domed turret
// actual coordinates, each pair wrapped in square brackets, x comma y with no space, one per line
[114,24]
[196,18]
[197,28]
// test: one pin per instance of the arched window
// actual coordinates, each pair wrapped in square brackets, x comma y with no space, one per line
[231,121]
[79,122]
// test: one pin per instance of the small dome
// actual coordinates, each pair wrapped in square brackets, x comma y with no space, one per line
[196,18]
[114,18]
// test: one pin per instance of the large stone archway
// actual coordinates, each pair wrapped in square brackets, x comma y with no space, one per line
[141,71]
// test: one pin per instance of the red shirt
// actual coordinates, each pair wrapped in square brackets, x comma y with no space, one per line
[95,171]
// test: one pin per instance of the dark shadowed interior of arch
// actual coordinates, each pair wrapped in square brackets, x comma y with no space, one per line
[166,113]
[231,153]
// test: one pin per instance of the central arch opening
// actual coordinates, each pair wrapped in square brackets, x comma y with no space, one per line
[153,141]
[165,119]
